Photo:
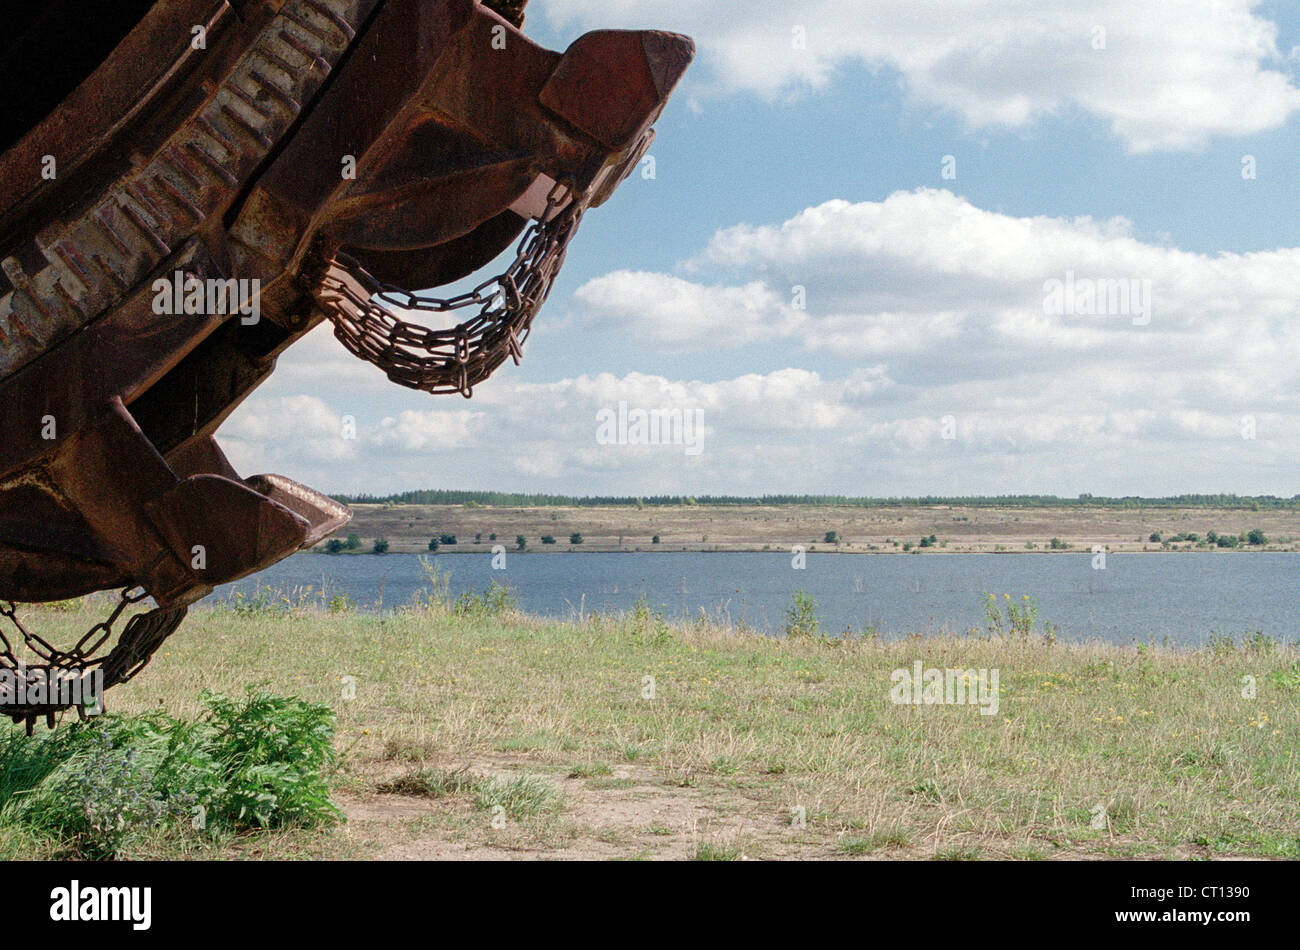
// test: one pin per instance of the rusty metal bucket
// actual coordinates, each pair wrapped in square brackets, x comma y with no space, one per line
[329,155]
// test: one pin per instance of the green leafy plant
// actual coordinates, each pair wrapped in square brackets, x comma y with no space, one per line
[107,794]
[261,600]
[1019,619]
[649,625]
[801,616]
[271,752]
[438,591]
[255,762]
[496,600]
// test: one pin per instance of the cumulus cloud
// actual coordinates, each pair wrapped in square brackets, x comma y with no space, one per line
[668,310]
[930,363]
[1162,75]
[795,430]
[941,290]
[428,431]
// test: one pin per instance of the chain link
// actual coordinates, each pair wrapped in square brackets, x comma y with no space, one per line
[435,361]
[452,360]
[143,634]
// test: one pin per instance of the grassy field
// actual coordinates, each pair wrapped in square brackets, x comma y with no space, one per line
[409,528]
[475,732]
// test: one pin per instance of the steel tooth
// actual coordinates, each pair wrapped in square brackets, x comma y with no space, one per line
[314,59]
[179,198]
[175,159]
[265,82]
[256,134]
[325,12]
[211,162]
[132,214]
[100,218]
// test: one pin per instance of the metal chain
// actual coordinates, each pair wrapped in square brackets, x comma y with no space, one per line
[451,360]
[143,634]
[435,361]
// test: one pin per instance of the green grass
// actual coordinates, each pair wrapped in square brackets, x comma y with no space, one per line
[877,841]
[718,851]
[957,854]
[470,707]
[431,783]
[520,796]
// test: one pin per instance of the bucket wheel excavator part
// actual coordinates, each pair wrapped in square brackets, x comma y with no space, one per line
[187,187]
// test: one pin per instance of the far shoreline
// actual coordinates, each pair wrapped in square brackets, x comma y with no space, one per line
[819,529]
[596,549]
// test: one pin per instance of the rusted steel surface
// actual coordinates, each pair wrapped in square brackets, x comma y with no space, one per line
[329,154]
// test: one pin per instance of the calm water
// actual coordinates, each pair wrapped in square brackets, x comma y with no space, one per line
[1185,597]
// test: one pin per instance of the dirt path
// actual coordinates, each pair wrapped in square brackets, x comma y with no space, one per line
[629,813]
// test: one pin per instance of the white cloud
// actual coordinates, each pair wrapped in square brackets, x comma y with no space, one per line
[428,431]
[1170,75]
[924,314]
[926,280]
[797,431]
[668,310]
[267,431]
[319,359]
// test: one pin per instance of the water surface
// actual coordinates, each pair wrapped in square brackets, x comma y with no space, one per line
[1185,597]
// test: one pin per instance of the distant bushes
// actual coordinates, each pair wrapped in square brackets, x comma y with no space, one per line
[478,499]
[335,546]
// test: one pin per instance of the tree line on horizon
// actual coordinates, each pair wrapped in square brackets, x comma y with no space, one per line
[439,496]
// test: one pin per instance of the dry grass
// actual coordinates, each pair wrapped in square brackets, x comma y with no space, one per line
[734,528]
[750,746]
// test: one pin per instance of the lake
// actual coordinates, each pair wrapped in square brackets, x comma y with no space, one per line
[1185,597]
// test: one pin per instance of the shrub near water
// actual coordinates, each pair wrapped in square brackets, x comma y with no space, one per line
[251,763]
[801,617]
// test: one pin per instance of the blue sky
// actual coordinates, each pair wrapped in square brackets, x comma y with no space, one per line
[924,361]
